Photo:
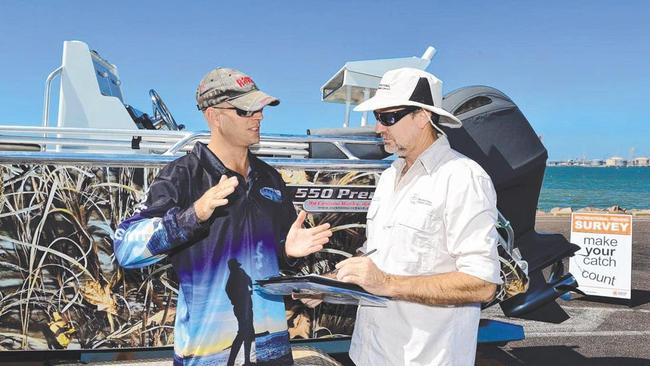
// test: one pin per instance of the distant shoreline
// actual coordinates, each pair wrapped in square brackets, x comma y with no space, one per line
[566,165]
[567,211]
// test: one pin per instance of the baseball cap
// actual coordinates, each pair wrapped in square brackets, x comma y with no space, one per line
[412,87]
[232,86]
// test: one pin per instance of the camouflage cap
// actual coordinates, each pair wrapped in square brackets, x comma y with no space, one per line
[232,86]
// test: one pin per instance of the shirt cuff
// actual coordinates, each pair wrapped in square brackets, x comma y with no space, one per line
[481,267]
[184,225]
[290,261]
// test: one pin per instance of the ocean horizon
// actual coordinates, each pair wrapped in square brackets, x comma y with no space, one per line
[578,187]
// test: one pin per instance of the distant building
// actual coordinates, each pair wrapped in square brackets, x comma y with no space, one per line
[640,161]
[596,162]
[616,161]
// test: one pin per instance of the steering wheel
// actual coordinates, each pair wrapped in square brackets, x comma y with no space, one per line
[161,114]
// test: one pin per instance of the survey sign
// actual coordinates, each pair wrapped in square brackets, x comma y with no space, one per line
[603,265]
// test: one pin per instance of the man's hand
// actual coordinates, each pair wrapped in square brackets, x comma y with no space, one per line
[451,288]
[363,272]
[214,197]
[301,242]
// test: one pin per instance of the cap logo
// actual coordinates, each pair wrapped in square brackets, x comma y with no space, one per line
[243,81]
[384,87]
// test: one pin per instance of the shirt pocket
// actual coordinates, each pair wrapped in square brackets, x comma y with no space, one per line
[371,219]
[417,239]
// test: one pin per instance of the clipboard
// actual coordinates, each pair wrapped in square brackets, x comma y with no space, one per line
[332,291]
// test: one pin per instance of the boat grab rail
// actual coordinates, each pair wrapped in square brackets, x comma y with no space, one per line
[171,142]
[158,161]
[48,87]
[339,142]
[93,131]
[505,224]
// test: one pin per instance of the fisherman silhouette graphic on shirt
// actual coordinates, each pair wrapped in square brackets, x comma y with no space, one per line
[239,288]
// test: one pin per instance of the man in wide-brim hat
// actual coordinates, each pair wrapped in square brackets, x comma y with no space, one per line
[432,223]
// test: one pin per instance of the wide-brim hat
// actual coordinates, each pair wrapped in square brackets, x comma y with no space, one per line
[232,86]
[410,87]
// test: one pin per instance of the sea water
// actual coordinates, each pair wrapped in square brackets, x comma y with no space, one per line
[579,187]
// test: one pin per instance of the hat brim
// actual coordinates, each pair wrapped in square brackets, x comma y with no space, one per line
[380,102]
[254,101]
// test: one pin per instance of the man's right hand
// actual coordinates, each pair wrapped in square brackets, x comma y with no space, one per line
[214,197]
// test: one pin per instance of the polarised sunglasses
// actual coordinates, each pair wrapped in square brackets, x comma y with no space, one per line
[390,118]
[241,112]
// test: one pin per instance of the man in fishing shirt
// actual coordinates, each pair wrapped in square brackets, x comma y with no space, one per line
[223,218]
[432,226]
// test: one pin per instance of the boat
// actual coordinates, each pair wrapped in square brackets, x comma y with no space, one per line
[66,185]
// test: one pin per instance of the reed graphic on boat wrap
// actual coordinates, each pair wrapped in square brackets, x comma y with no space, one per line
[60,287]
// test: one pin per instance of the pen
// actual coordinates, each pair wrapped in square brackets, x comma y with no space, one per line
[336,270]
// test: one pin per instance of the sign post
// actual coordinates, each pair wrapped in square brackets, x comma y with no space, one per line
[603,265]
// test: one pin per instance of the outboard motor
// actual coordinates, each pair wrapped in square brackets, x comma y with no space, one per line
[497,135]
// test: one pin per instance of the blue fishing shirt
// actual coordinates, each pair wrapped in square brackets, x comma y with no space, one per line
[219,317]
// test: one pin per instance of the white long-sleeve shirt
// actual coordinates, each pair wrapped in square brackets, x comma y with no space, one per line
[439,217]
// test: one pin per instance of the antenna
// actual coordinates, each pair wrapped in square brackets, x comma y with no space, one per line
[429,53]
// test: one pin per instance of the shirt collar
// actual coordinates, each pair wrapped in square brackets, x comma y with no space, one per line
[430,157]
[208,159]
[433,155]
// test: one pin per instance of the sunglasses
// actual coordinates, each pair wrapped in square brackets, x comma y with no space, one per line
[241,112]
[390,118]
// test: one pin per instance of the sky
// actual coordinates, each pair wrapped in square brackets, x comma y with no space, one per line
[578,70]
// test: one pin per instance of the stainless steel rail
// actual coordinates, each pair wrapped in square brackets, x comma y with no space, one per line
[186,140]
[48,87]
[167,143]
[286,141]
[278,152]
[141,161]
[123,144]
[505,224]
[94,131]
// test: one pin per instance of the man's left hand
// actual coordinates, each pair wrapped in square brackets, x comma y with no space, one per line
[301,242]
[365,273]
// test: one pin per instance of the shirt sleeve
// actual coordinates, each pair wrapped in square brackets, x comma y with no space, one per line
[470,220]
[161,224]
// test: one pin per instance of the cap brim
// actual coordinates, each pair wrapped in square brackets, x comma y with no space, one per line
[379,102]
[254,101]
